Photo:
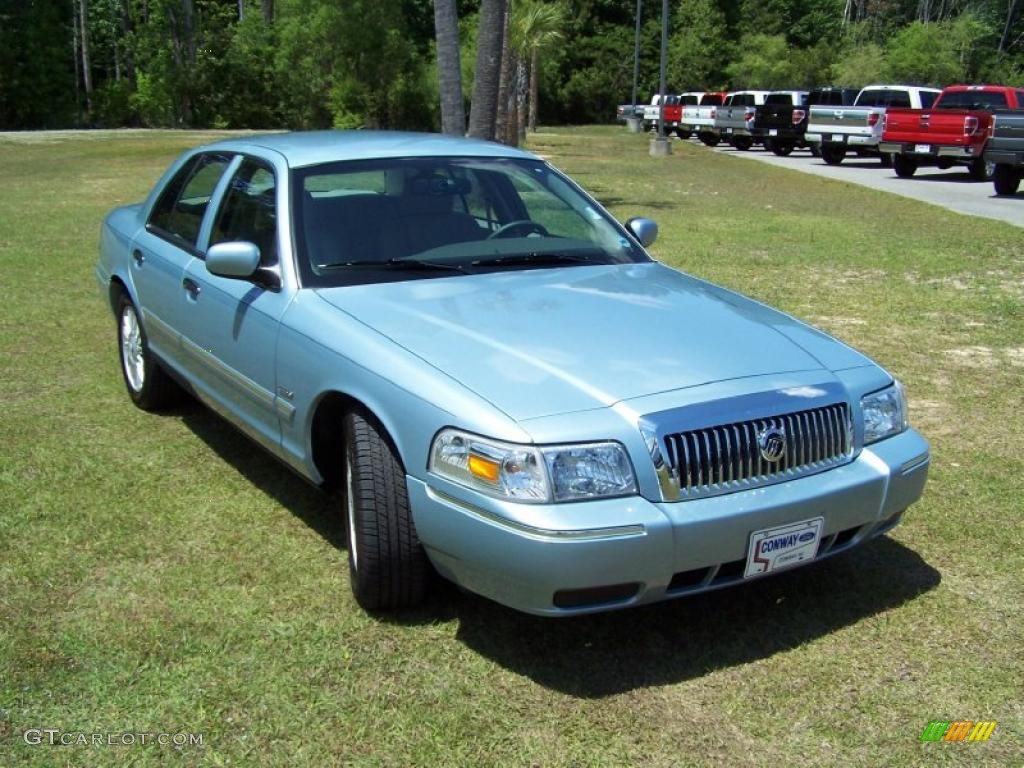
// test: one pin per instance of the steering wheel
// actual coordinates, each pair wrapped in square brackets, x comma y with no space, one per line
[513,226]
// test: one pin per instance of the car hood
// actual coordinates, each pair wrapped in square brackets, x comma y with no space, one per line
[540,342]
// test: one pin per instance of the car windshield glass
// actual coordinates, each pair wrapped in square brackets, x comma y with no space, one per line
[427,217]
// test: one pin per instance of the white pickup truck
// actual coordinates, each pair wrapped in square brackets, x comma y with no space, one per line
[700,118]
[859,128]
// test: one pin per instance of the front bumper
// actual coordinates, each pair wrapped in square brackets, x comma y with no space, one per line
[614,553]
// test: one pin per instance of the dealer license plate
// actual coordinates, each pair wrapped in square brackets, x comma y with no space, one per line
[772,549]
[839,138]
[923,149]
[773,131]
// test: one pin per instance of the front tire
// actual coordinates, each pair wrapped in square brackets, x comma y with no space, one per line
[388,568]
[1006,179]
[904,165]
[832,155]
[782,148]
[148,385]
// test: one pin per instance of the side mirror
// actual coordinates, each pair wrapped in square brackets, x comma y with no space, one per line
[239,259]
[644,230]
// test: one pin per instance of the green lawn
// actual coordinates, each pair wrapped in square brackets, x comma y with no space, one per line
[161,574]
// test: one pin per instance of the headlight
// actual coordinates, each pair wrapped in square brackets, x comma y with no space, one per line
[533,474]
[885,413]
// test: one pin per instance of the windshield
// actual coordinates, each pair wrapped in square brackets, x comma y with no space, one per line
[412,218]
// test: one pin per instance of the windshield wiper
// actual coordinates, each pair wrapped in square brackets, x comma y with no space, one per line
[410,264]
[535,257]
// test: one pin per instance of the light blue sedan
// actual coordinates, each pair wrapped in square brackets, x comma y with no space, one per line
[508,390]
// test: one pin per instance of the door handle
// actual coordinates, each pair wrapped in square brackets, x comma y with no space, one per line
[191,287]
[139,258]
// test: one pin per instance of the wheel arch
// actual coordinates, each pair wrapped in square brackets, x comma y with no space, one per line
[326,441]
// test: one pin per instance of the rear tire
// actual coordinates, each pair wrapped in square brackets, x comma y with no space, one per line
[943,163]
[832,155]
[781,148]
[742,143]
[815,150]
[981,169]
[886,160]
[388,568]
[148,385]
[683,134]
[709,139]
[904,165]
[1006,179]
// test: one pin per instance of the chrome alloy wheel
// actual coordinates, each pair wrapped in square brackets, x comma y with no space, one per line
[350,509]
[132,353]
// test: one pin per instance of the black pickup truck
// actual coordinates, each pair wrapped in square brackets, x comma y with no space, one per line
[783,118]
[1005,148]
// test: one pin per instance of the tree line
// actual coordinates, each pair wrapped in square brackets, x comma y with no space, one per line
[492,68]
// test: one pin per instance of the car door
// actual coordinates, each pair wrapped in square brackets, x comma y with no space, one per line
[161,251]
[230,332]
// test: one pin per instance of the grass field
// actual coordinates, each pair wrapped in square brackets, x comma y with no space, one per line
[161,574]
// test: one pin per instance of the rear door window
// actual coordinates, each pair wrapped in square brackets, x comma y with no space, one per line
[178,213]
[928,98]
[779,100]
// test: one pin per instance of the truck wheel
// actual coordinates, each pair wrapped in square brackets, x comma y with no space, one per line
[832,155]
[981,169]
[742,143]
[904,165]
[943,163]
[148,385]
[781,148]
[709,139]
[815,150]
[683,134]
[388,568]
[886,159]
[1006,179]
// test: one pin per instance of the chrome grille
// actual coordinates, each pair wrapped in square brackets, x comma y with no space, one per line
[728,457]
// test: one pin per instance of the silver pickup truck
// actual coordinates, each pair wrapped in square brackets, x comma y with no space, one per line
[700,118]
[734,121]
[859,128]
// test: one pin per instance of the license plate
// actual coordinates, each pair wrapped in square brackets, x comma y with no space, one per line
[772,549]
[727,130]
[923,149]
[773,131]
[839,137]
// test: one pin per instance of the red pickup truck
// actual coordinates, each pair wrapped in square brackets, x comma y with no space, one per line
[953,130]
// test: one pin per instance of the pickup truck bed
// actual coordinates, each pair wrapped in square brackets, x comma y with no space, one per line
[1005,150]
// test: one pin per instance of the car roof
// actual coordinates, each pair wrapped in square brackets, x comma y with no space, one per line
[305,148]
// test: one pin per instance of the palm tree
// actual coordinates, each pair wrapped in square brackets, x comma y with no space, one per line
[483,110]
[449,71]
[536,26]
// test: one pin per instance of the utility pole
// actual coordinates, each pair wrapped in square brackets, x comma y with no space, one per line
[661,146]
[633,123]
